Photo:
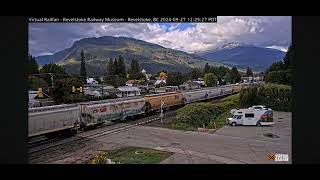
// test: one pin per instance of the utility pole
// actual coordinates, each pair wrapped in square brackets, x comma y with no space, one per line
[51,79]
[102,88]
[161,109]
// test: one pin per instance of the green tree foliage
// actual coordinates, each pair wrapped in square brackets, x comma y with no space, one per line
[35,82]
[281,72]
[116,72]
[135,72]
[115,66]
[288,59]
[83,71]
[210,79]
[62,91]
[174,79]
[201,114]
[53,68]
[195,73]
[277,97]
[57,71]
[206,69]
[279,77]
[277,66]
[110,74]
[233,76]
[32,65]
[110,68]
[249,72]
[197,114]
[121,67]
[220,72]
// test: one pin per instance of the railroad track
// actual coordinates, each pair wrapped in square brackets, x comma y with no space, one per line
[54,145]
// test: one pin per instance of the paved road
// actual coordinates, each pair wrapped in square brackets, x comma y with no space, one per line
[228,145]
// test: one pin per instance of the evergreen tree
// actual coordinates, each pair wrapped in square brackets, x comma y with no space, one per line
[83,71]
[32,65]
[58,72]
[174,79]
[110,67]
[206,69]
[234,76]
[281,72]
[110,74]
[249,72]
[288,59]
[135,70]
[122,67]
[115,66]
[194,73]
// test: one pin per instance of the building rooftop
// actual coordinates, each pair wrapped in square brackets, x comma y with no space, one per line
[128,88]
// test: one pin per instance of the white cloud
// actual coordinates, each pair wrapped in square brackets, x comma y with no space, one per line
[263,31]
[281,48]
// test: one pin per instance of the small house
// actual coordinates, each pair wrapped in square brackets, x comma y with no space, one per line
[35,101]
[92,81]
[127,91]
[113,92]
[130,82]
[160,82]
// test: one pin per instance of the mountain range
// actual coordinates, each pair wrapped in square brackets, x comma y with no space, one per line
[243,56]
[97,51]
[153,57]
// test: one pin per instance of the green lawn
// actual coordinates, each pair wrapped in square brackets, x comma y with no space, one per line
[132,155]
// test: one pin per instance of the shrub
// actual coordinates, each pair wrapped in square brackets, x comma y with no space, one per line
[198,114]
[277,97]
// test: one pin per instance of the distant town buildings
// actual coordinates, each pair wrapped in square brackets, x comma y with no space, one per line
[144,72]
[36,101]
[126,91]
[160,82]
[92,81]
[130,82]
[192,85]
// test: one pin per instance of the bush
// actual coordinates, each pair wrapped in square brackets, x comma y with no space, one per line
[279,77]
[277,97]
[197,115]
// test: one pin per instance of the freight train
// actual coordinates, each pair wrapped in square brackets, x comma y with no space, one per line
[67,119]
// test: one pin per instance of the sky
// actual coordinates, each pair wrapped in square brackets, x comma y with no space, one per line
[264,31]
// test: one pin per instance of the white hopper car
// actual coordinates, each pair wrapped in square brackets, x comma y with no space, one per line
[51,119]
[227,90]
[200,95]
[208,93]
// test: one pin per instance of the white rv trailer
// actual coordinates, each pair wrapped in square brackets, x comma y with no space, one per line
[251,117]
